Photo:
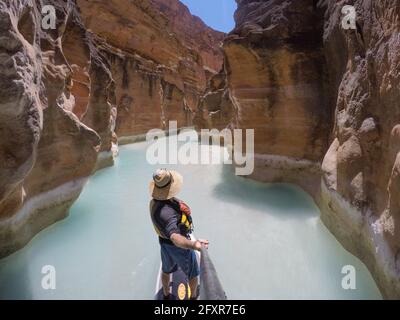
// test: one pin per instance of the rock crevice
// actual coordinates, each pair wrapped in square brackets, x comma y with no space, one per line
[109,70]
[315,91]
[323,101]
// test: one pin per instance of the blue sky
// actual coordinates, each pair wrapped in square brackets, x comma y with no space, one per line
[218,14]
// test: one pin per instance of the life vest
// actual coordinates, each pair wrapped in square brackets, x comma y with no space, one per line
[186,224]
[185,221]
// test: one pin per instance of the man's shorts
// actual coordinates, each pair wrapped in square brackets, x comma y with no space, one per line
[173,256]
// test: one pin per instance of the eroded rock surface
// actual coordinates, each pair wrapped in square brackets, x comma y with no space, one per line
[55,117]
[107,68]
[161,59]
[324,103]
[361,168]
[272,82]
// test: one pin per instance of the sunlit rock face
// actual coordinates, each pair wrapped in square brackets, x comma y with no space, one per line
[274,63]
[161,58]
[125,66]
[324,103]
[362,164]
[215,110]
[272,82]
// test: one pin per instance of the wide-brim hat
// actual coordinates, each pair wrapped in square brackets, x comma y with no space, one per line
[166,184]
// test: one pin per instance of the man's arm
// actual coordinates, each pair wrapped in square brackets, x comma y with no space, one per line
[184,243]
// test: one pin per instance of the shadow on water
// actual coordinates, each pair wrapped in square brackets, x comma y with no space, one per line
[107,248]
[294,255]
[9,288]
[277,197]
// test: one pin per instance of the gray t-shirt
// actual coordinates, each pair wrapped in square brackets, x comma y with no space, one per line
[165,217]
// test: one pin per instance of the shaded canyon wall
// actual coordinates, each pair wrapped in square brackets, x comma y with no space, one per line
[360,182]
[52,125]
[324,103]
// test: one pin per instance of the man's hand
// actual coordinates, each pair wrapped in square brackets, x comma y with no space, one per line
[184,243]
[200,243]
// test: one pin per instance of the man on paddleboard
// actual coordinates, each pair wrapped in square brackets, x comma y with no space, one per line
[172,221]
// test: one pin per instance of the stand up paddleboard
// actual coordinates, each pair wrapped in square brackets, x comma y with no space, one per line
[178,285]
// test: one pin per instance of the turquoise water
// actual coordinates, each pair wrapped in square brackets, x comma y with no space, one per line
[266,241]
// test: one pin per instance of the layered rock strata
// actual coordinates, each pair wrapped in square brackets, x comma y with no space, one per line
[323,101]
[360,182]
[105,68]
[55,117]
[272,82]
[161,59]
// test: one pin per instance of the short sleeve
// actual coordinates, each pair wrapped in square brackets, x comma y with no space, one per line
[169,221]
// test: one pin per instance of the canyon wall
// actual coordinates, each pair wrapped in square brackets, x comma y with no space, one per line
[106,68]
[272,82]
[161,58]
[324,103]
[361,181]
[47,149]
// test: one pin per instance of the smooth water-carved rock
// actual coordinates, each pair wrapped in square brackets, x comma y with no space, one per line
[273,83]
[324,103]
[47,150]
[363,81]
[161,58]
[274,66]
[125,66]
[21,108]
[316,92]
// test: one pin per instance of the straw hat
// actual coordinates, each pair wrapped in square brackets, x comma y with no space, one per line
[166,184]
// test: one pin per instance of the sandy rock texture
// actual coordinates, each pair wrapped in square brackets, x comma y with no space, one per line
[161,58]
[106,68]
[360,185]
[324,103]
[55,117]
[272,82]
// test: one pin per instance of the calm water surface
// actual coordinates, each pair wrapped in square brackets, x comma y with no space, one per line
[267,241]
